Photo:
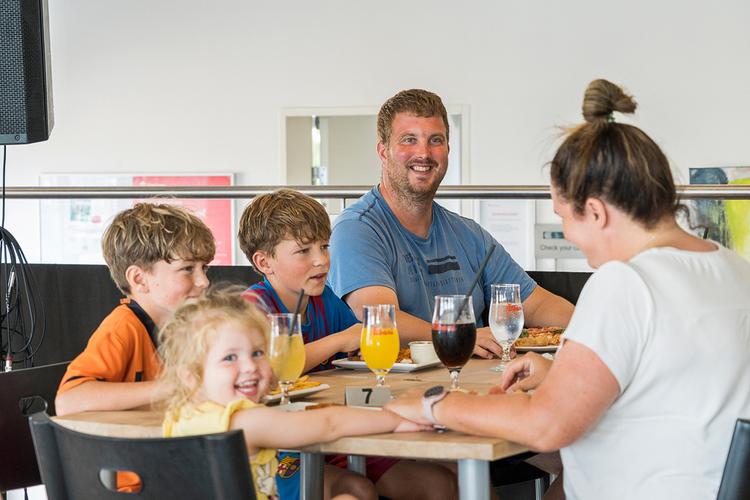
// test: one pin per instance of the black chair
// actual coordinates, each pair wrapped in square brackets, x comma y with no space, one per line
[22,393]
[735,481]
[76,465]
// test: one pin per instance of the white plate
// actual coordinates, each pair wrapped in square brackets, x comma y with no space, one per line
[397,367]
[296,406]
[274,398]
[537,348]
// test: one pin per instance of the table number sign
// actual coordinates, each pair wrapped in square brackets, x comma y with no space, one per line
[367,396]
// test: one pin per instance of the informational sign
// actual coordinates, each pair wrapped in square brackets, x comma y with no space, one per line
[511,222]
[551,243]
[72,229]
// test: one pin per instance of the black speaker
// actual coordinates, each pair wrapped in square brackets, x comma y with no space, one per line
[25,76]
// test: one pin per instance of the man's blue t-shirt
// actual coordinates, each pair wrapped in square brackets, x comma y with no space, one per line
[370,247]
[325,314]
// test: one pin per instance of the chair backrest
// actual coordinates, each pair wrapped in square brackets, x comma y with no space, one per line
[735,482]
[72,464]
[23,392]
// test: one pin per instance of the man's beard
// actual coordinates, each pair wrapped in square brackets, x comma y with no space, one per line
[404,190]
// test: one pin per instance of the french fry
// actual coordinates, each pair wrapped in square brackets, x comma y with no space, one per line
[303,382]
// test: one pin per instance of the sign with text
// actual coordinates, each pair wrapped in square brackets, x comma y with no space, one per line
[551,243]
[367,396]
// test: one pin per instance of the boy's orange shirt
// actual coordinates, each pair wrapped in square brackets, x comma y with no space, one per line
[120,350]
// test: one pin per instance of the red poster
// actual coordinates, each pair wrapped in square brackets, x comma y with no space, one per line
[217,214]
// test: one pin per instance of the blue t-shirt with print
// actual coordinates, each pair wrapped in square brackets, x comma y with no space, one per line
[325,314]
[370,247]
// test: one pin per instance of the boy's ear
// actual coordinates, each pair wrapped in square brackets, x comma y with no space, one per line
[262,262]
[136,278]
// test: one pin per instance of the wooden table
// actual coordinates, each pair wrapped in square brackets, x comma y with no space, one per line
[473,453]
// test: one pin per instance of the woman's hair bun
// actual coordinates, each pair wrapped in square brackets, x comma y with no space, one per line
[602,97]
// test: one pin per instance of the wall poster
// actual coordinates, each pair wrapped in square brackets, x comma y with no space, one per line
[72,229]
[724,221]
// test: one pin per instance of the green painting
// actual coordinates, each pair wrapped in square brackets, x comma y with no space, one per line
[725,221]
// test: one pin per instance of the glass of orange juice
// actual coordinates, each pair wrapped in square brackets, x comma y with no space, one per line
[287,352]
[379,342]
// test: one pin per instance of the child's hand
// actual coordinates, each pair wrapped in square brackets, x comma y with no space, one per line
[409,426]
[349,338]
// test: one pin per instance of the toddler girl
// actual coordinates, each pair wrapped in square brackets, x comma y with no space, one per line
[214,352]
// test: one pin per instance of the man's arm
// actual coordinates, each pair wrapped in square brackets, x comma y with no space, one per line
[410,327]
[109,396]
[543,308]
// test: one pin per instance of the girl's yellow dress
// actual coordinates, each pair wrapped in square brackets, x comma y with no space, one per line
[211,417]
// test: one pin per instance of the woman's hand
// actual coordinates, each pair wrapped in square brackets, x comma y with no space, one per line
[523,374]
[409,406]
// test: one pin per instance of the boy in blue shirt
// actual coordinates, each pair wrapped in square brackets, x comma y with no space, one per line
[285,236]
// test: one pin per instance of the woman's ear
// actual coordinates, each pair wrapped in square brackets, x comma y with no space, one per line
[262,262]
[596,210]
[136,278]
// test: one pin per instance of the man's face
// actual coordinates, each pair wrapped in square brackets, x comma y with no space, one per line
[416,157]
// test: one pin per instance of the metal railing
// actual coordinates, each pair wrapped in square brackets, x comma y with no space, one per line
[483,192]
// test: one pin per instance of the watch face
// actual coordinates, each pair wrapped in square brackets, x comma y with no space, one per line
[433,391]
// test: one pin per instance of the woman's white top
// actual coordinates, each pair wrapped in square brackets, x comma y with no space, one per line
[673,327]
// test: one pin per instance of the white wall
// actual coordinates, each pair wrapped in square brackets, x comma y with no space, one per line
[195,86]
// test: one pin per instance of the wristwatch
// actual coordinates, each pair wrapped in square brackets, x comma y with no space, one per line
[431,397]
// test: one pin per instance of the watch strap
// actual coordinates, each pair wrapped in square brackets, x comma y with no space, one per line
[428,403]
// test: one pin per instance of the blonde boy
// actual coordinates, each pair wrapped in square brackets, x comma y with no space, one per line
[285,236]
[157,255]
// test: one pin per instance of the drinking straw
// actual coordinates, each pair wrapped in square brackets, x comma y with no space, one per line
[296,310]
[476,280]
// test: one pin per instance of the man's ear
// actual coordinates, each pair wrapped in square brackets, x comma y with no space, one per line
[262,262]
[136,278]
[596,210]
[382,148]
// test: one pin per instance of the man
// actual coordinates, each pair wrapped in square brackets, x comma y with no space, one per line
[396,245]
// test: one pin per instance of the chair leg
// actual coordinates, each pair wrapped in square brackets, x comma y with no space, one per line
[540,486]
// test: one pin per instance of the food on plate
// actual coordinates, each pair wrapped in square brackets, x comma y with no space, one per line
[404,356]
[303,382]
[538,337]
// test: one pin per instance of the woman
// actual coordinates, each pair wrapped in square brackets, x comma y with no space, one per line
[654,368]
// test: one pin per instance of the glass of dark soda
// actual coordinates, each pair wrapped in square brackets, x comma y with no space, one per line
[454,332]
